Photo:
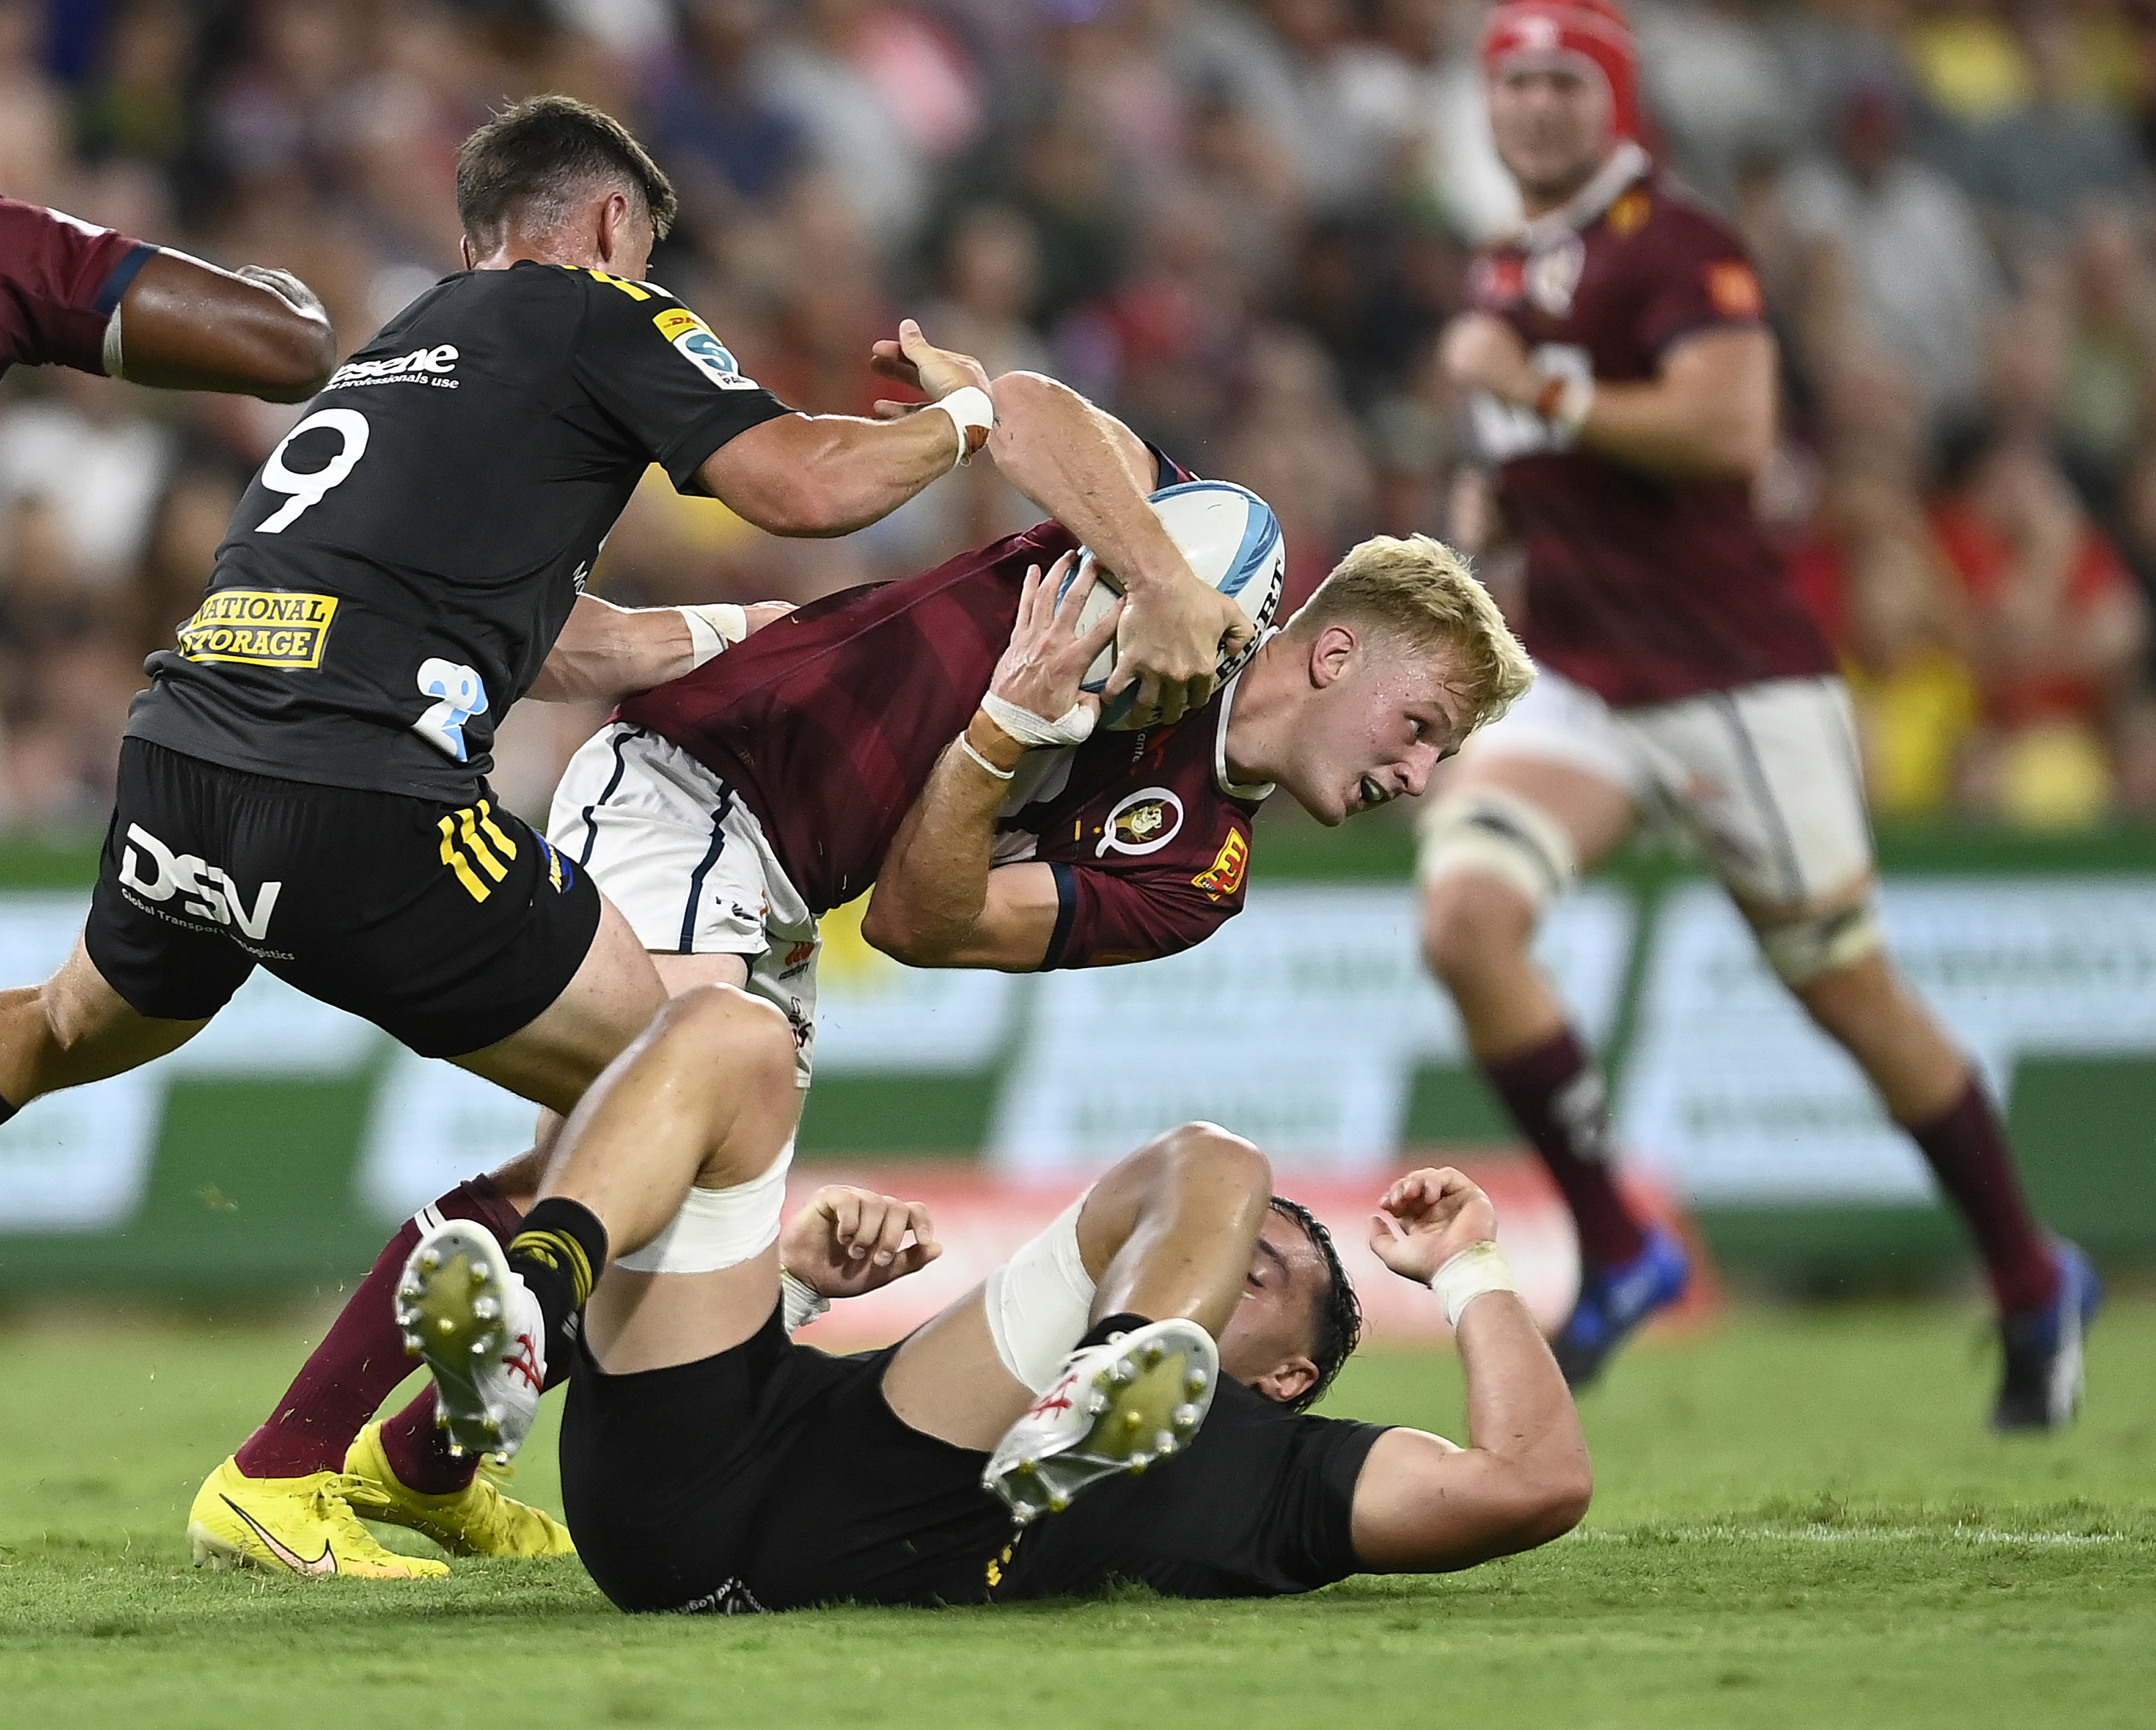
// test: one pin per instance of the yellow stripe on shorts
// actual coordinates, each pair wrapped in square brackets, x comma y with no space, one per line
[456,861]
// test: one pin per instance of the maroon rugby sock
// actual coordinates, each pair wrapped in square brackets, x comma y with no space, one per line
[418,1450]
[361,1359]
[1555,1094]
[1970,1157]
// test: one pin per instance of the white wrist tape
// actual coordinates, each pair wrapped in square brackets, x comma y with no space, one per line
[1477,1269]
[971,409]
[965,745]
[1073,726]
[1570,413]
[712,629]
[802,1303]
[113,358]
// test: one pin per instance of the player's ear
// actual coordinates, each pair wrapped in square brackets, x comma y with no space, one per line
[616,216]
[1287,1381]
[1331,654]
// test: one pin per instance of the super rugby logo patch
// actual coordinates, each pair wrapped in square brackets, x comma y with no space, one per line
[701,348]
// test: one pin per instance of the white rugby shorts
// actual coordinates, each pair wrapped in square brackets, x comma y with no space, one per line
[1765,778]
[687,864]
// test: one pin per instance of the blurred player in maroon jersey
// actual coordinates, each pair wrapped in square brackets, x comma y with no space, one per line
[863,741]
[1624,389]
[74,295]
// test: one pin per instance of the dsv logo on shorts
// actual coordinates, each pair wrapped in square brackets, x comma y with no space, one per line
[216,897]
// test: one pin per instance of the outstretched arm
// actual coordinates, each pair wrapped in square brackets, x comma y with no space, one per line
[184,325]
[1422,1506]
[606,652]
[825,475]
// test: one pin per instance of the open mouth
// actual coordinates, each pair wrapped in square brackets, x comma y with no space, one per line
[1372,794]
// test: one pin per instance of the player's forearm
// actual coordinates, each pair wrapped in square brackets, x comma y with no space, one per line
[933,884]
[1520,1412]
[187,326]
[819,475]
[1088,471]
[606,652]
[1683,435]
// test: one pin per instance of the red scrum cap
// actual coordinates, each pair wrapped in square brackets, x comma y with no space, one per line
[1591,30]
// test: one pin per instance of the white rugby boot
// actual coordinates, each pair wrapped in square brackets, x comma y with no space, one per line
[480,1329]
[1116,1408]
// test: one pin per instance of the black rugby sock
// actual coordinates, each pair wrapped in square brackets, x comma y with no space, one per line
[1103,1331]
[560,1252]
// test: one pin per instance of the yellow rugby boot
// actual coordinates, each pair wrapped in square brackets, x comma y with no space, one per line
[302,1525]
[475,1521]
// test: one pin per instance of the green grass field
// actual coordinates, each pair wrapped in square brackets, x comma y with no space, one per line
[1800,1519]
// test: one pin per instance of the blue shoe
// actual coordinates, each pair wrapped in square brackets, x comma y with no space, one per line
[1613,1301]
[2042,1387]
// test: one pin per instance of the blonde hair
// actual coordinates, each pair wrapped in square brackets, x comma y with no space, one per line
[1420,590]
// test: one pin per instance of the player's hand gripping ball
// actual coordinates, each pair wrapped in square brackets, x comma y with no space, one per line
[1231,539]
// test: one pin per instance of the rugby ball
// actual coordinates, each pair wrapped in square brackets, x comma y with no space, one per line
[1232,541]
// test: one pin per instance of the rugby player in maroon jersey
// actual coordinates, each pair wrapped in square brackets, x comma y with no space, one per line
[75,294]
[848,746]
[1623,381]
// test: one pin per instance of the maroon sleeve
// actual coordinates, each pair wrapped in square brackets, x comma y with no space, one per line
[1702,276]
[1111,916]
[1166,471]
[58,283]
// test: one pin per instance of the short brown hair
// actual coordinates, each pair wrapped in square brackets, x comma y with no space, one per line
[1421,590]
[531,159]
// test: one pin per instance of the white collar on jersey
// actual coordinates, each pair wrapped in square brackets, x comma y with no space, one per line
[1257,790]
[1625,164]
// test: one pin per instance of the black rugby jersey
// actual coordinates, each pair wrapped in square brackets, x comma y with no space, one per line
[395,576]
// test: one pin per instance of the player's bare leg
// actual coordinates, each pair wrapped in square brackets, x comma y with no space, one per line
[704,1098]
[1477,925]
[2045,1291]
[1526,826]
[401,1469]
[73,1028]
[554,1057]
[1074,1373]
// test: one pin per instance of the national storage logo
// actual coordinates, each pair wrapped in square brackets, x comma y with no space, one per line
[260,628]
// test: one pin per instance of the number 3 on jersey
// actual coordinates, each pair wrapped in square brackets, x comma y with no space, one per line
[309,490]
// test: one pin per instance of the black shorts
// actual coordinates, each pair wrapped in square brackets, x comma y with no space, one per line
[770,1476]
[448,927]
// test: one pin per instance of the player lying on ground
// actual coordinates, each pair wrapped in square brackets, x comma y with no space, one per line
[1623,374]
[708,1465]
[75,294]
[731,808]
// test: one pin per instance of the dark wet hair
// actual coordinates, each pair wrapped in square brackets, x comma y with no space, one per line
[534,158]
[1336,1326]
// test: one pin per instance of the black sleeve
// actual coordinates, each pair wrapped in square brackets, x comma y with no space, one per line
[661,371]
[1310,1532]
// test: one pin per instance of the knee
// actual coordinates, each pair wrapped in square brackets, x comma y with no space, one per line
[1471,923]
[723,1025]
[1217,1156]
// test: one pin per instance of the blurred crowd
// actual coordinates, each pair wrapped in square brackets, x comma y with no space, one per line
[1241,224]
